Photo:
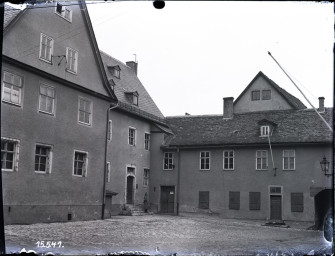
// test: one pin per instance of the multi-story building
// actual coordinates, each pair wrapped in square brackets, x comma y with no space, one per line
[55,99]
[259,160]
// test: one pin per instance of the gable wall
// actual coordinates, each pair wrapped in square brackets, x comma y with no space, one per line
[22,42]
[245,104]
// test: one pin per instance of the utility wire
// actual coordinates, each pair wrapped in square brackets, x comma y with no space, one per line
[301,93]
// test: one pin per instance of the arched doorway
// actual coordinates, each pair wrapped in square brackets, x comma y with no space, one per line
[322,202]
[130,189]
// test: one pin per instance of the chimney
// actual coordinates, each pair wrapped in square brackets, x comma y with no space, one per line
[228,109]
[132,65]
[321,104]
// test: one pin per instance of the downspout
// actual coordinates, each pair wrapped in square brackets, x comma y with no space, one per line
[105,168]
[178,181]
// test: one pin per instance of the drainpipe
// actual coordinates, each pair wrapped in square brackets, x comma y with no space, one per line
[178,181]
[105,168]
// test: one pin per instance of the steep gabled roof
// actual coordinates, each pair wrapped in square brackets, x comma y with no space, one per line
[291,100]
[293,126]
[129,82]
[10,15]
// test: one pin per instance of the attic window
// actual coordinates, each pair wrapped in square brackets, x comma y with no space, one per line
[265,130]
[111,84]
[255,95]
[64,12]
[266,94]
[135,99]
[115,71]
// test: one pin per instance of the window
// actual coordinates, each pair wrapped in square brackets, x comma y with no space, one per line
[110,129]
[132,136]
[47,99]
[234,200]
[168,161]
[205,160]
[80,163]
[266,94]
[85,111]
[64,12]
[147,141]
[108,171]
[46,48]
[255,95]
[71,60]
[265,130]
[261,159]
[146,177]
[288,160]
[116,72]
[130,170]
[43,159]
[9,154]
[228,160]
[297,202]
[135,99]
[275,190]
[254,200]
[11,88]
[203,199]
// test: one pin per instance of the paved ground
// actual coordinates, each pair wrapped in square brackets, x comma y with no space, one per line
[184,235]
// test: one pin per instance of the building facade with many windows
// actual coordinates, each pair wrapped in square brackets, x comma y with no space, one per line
[259,160]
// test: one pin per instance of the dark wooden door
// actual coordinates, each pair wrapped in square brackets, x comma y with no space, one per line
[167,199]
[130,190]
[275,207]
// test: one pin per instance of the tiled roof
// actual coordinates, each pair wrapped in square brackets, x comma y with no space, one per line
[129,82]
[293,126]
[293,101]
[9,15]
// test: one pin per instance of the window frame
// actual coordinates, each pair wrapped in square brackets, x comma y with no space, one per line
[234,206]
[252,205]
[48,160]
[289,161]
[253,94]
[20,95]
[53,113]
[68,64]
[146,177]
[62,14]
[90,113]
[147,139]
[205,158]
[224,157]
[129,136]
[265,130]
[16,153]
[85,171]
[263,97]
[47,59]
[297,207]
[267,160]
[169,164]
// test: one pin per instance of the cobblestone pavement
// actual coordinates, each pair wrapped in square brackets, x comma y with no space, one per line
[163,234]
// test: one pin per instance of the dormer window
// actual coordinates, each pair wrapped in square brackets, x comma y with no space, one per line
[115,71]
[111,84]
[265,130]
[64,12]
[132,97]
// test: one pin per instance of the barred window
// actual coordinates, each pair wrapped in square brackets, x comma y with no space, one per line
[254,200]
[234,200]
[146,177]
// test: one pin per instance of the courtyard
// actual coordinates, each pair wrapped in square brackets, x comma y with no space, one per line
[166,235]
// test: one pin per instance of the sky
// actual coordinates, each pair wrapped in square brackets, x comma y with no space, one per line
[191,54]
